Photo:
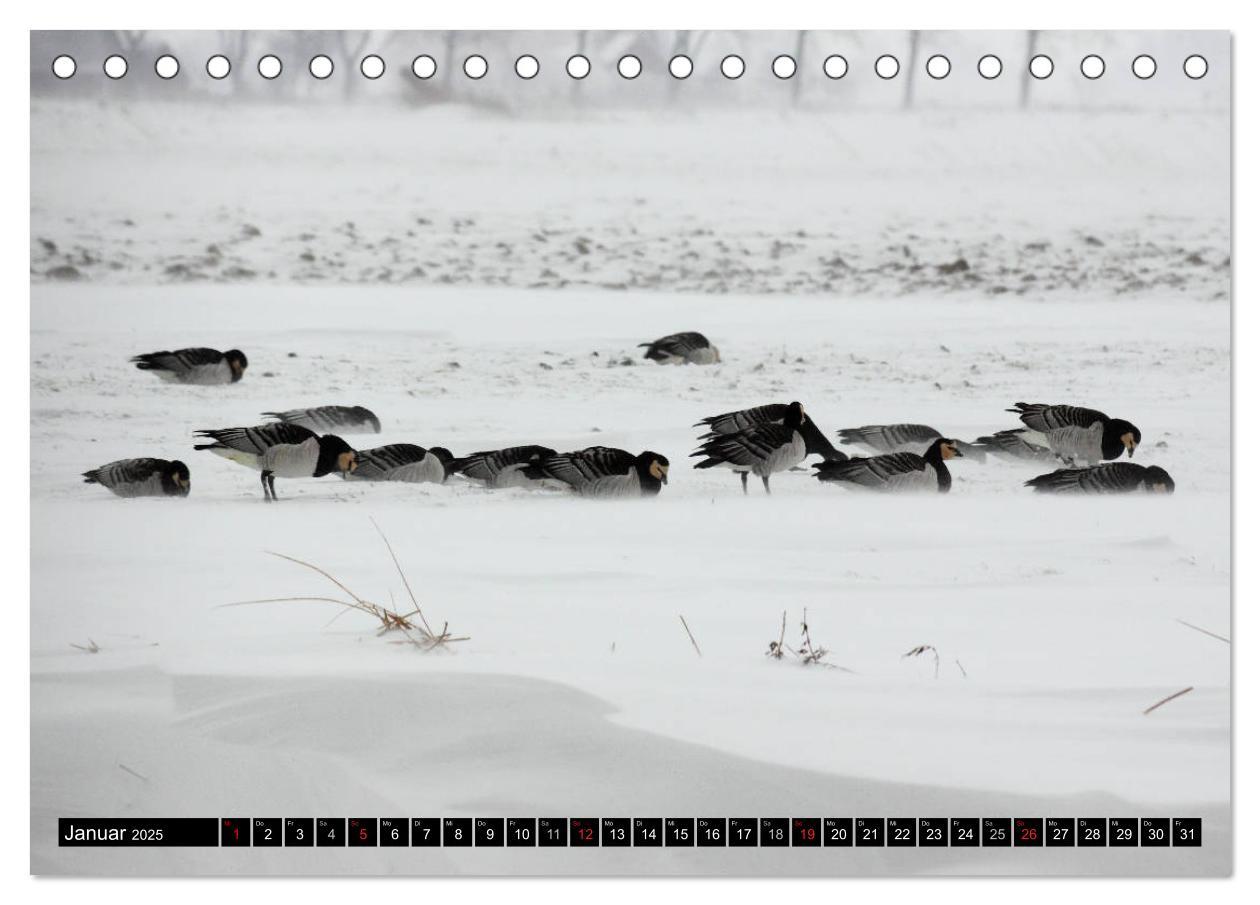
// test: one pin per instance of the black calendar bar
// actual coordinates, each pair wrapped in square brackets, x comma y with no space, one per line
[846,833]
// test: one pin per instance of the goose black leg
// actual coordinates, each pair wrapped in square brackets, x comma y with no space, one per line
[743,479]
[266,495]
[765,480]
[271,482]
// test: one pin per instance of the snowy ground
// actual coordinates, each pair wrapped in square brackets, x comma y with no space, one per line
[479,281]
[579,690]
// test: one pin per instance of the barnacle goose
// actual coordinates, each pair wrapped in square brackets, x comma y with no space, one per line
[896,472]
[892,438]
[1077,435]
[682,349]
[500,468]
[142,477]
[205,367]
[601,471]
[767,446]
[1111,477]
[344,418]
[402,462]
[281,450]
[1012,445]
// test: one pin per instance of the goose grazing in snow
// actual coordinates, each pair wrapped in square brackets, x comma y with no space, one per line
[601,471]
[1111,477]
[896,472]
[141,477]
[347,419]
[402,462]
[201,366]
[501,468]
[765,447]
[1077,435]
[1012,446]
[893,438]
[682,349]
[281,450]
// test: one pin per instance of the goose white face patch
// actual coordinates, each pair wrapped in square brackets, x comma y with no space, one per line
[739,426]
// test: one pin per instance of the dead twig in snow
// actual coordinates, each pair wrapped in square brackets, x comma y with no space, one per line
[419,634]
[808,653]
[1205,631]
[91,647]
[776,647]
[1171,697]
[924,649]
[689,635]
[138,776]
[960,667]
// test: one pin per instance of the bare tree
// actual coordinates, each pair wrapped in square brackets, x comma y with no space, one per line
[799,55]
[912,70]
[1025,78]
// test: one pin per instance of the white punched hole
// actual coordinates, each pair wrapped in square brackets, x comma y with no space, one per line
[629,66]
[732,66]
[990,66]
[166,66]
[1195,66]
[269,66]
[321,66]
[835,66]
[372,66]
[527,66]
[218,66]
[475,66]
[680,66]
[577,66]
[1041,66]
[887,67]
[938,66]
[1144,66]
[1093,66]
[424,67]
[115,66]
[64,66]
[783,67]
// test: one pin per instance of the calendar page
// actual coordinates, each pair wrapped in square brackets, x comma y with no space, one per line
[702,453]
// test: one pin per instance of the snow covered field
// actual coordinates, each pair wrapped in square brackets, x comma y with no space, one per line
[579,691]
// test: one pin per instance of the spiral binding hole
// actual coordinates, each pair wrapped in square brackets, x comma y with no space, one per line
[680,66]
[1041,66]
[372,67]
[1093,66]
[424,66]
[835,66]
[577,66]
[166,66]
[783,66]
[218,66]
[320,66]
[887,66]
[989,66]
[732,66]
[527,66]
[475,66]
[270,67]
[1144,66]
[938,66]
[1195,66]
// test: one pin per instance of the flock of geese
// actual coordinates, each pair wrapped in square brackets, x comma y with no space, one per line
[762,441]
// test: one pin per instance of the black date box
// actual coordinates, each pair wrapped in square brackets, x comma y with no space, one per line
[1060,831]
[522,831]
[488,831]
[711,831]
[741,831]
[614,832]
[234,831]
[1030,831]
[773,832]
[1122,831]
[838,831]
[553,831]
[648,831]
[394,831]
[680,831]
[362,833]
[267,832]
[1155,831]
[584,832]
[995,831]
[933,832]
[1091,832]
[457,832]
[964,832]
[868,831]
[1187,831]
[426,832]
[901,832]
[330,831]
[299,832]
[806,831]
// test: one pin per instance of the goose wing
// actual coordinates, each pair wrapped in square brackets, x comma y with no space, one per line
[732,422]
[876,471]
[746,448]
[889,437]
[255,440]
[180,360]
[1045,418]
[588,465]
[1112,477]
[485,465]
[376,463]
[124,471]
[327,418]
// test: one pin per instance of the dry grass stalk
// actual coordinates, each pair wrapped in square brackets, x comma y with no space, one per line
[413,625]
[1163,701]
[689,635]
[808,654]
[90,648]
[926,649]
[1205,631]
